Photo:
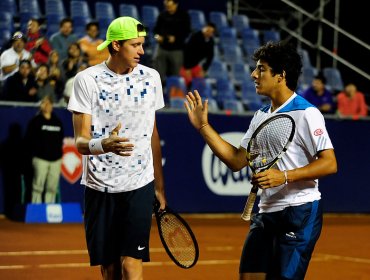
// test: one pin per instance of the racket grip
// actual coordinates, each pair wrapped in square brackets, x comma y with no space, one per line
[247,213]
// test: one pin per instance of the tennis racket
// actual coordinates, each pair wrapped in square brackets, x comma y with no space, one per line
[267,145]
[177,237]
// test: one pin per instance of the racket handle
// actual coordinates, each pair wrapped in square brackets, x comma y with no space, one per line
[247,213]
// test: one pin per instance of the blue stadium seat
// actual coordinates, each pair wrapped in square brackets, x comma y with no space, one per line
[79,25]
[177,103]
[228,37]
[128,10]
[308,74]
[5,35]
[219,19]
[232,53]
[271,35]
[250,42]
[197,19]
[224,90]
[29,6]
[52,24]
[149,16]
[334,80]
[55,7]
[239,22]
[233,106]
[249,97]
[175,86]
[80,9]
[217,70]
[9,6]
[203,86]
[239,72]
[306,61]
[104,10]
[6,21]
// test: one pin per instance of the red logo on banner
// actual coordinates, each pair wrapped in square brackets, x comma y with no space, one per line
[71,161]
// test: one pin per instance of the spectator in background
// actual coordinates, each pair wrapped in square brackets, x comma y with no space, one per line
[351,102]
[318,95]
[89,43]
[56,75]
[199,47]
[37,44]
[171,30]
[21,86]
[10,58]
[44,88]
[45,135]
[63,38]
[73,61]
[69,85]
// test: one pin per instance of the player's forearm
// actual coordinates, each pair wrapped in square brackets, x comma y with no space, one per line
[226,152]
[321,167]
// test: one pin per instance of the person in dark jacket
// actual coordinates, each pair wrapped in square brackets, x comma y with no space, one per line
[198,53]
[45,135]
[171,31]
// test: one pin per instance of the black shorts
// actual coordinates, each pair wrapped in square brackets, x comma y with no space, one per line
[281,243]
[118,224]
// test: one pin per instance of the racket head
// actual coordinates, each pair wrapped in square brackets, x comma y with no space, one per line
[177,237]
[270,141]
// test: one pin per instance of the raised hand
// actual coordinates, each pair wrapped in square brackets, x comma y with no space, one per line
[197,110]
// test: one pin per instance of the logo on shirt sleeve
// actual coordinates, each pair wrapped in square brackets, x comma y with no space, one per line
[318,132]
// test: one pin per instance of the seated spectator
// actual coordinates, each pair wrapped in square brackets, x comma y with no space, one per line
[88,45]
[69,84]
[73,61]
[37,44]
[317,94]
[44,88]
[63,38]
[21,86]
[56,74]
[351,102]
[198,48]
[10,58]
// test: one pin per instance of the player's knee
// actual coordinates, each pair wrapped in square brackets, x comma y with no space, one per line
[131,268]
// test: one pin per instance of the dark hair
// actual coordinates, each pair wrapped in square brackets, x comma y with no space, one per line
[281,57]
[92,23]
[25,61]
[211,24]
[320,76]
[64,20]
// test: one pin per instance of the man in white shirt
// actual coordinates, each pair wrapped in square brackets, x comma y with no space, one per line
[283,234]
[10,58]
[114,105]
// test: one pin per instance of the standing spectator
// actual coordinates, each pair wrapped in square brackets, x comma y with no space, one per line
[351,102]
[21,86]
[44,88]
[198,48]
[89,42]
[45,135]
[171,30]
[116,131]
[10,58]
[318,95]
[73,61]
[37,44]
[63,38]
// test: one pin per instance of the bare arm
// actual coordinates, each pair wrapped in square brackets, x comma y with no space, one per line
[324,165]
[82,131]
[234,158]
[158,170]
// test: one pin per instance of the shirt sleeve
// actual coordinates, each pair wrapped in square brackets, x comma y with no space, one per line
[312,131]
[81,96]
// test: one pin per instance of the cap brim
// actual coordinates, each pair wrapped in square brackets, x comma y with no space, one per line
[103,45]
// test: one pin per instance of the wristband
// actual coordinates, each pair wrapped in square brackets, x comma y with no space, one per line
[95,146]
[286,177]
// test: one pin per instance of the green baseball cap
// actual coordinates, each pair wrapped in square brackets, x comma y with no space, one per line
[123,28]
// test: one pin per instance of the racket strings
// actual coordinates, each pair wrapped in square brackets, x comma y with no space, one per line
[270,142]
[178,240]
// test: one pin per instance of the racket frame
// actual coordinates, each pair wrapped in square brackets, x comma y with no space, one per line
[248,208]
[161,215]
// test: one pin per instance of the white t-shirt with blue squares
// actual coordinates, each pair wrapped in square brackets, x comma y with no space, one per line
[131,100]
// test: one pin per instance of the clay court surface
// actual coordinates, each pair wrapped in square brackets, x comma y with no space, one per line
[58,251]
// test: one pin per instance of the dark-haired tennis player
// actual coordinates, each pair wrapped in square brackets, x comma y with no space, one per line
[114,105]
[284,232]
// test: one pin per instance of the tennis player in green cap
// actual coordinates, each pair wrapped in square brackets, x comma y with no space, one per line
[114,105]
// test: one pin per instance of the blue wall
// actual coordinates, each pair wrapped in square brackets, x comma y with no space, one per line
[196,181]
